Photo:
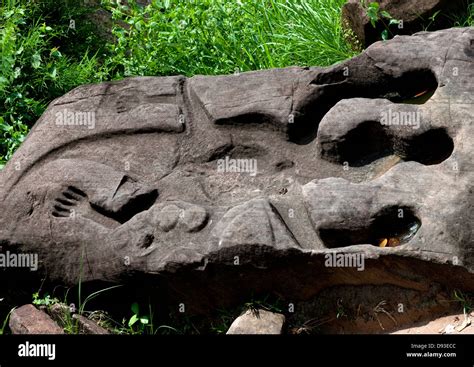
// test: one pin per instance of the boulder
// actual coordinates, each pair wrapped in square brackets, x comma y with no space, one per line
[213,188]
[29,320]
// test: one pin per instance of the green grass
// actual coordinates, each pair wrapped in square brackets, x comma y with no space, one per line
[465,19]
[3,325]
[221,37]
[465,300]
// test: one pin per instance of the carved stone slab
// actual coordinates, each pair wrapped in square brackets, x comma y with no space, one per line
[228,184]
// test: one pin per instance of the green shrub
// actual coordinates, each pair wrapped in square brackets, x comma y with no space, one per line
[33,70]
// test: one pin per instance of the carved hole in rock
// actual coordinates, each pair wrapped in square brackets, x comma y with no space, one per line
[431,147]
[391,227]
[147,241]
[397,225]
[412,87]
[364,144]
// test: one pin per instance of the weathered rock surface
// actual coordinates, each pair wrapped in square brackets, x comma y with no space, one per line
[29,320]
[258,322]
[87,326]
[215,187]
[415,17]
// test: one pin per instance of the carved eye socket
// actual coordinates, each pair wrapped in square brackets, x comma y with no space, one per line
[392,227]
[411,87]
[370,141]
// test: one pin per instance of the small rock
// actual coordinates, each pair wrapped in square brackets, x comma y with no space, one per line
[87,326]
[29,320]
[258,322]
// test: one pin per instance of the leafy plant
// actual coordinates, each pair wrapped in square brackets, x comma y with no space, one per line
[432,19]
[377,15]
[139,323]
[46,300]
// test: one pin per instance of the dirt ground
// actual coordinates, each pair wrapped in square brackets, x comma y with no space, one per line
[453,324]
